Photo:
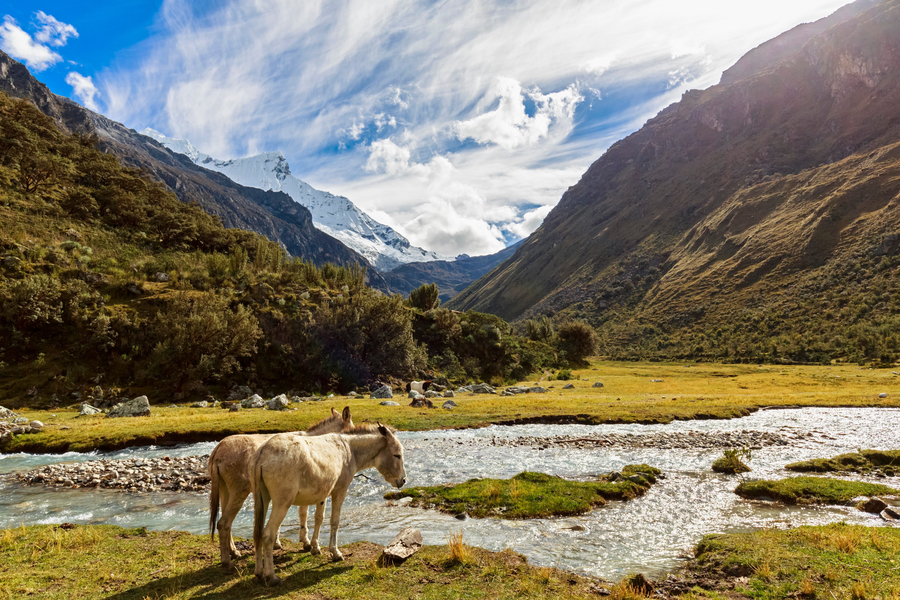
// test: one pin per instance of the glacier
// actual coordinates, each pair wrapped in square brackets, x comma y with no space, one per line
[335,215]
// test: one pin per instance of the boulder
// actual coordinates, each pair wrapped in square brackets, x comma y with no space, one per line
[296,399]
[137,407]
[882,395]
[389,403]
[449,394]
[404,545]
[597,384]
[449,404]
[36,425]
[21,421]
[421,402]
[478,388]
[431,394]
[280,402]
[351,395]
[382,393]
[201,404]
[414,395]
[88,410]
[890,514]
[254,401]
[7,414]
[162,277]
[521,389]
[656,381]
[568,386]
[873,505]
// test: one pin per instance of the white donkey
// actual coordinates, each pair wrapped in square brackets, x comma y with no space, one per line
[292,469]
[230,485]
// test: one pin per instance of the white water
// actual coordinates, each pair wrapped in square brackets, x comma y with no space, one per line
[649,534]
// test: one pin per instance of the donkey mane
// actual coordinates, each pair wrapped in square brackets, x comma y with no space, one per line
[322,424]
[364,428]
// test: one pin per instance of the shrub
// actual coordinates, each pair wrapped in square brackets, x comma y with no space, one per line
[577,340]
[425,297]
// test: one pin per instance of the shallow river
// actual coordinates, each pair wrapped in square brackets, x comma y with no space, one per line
[650,534]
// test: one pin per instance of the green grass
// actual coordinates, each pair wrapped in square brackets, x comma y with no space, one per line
[811,490]
[730,465]
[103,561]
[886,462]
[830,561]
[529,495]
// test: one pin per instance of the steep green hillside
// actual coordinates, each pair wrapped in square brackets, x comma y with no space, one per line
[756,220]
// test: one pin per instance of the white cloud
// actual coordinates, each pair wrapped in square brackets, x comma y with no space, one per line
[509,125]
[53,32]
[16,42]
[84,89]
[530,221]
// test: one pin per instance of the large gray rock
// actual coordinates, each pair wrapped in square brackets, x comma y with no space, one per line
[21,420]
[569,386]
[280,402]
[389,403]
[449,394]
[137,407]
[478,388]
[404,545]
[88,410]
[254,401]
[597,384]
[239,392]
[7,414]
[201,404]
[414,395]
[449,404]
[521,389]
[430,394]
[382,393]
[36,425]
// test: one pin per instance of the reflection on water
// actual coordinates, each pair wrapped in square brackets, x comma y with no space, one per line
[648,534]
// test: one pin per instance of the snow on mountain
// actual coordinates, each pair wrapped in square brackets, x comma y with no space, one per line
[335,215]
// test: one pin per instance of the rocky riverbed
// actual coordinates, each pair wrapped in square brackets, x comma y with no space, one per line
[184,474]
[661,440]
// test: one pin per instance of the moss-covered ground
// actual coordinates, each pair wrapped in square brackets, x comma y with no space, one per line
[812,490]
[687,391]
[885,462]
[529,495]
[109,562]
[832,561]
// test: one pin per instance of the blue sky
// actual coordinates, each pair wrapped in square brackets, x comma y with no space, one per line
[459,123]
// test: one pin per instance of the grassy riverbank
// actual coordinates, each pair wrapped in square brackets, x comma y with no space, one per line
[530,495]
[885,462]
[831,561]
[629,394]
[812,490]
[120,564]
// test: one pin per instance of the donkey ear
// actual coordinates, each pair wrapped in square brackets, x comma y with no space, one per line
[382,430]
[346,414]
[334,413]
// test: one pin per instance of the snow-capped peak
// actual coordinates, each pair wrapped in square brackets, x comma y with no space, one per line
[335,215]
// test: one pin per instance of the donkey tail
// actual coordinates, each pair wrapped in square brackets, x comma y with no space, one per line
[213,496]
[259,509]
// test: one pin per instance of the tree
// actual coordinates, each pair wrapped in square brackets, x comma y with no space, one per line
[577,339]
[425,297]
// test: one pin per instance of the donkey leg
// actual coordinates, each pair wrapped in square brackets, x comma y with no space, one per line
[320,516]
[232,501]
[260,508]
[337,499]
[303,515]
[279,511]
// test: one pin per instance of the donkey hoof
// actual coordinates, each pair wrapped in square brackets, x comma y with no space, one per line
[315,550]
[337,557]
[274,580]
[235,554]
[278,545]
[228,567]
[307,547]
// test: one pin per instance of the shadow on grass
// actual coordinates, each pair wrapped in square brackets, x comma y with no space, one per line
[214,583]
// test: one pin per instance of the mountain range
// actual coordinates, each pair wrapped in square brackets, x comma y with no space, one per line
[768,195]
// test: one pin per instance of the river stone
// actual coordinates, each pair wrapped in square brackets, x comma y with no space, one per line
[201,404]
[389,403]
[137,407]
[597,384]
[280,402]
[7,414]
[449,404]
[88,410]
[254,401]
[382,393]
[874,506]
[449,394]
[890,514]
[37,425]
[404,545]
[882,395]
[568,386]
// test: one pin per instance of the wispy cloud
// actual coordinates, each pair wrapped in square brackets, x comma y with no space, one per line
[459,122]
[53,32]
[19,44]
[84,89]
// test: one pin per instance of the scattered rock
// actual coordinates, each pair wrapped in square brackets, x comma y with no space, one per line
[656,381]
[521,389]
[461,516]
[21,420]
[890,514]
[280,402]
[431,394]
[404,545]
[201,404]
[254,401]
[449,394]
[389,403]
[874,506]
[568,386]
[138,407]
[597,384]
[239,392]
[414,395]
[882,395]
[135,288]
[351,395]
[37,425]
[478,388]
[7,414]
[449,405]
[421,402]
[88,410]
[162,277]
[382,393]
[577,528]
